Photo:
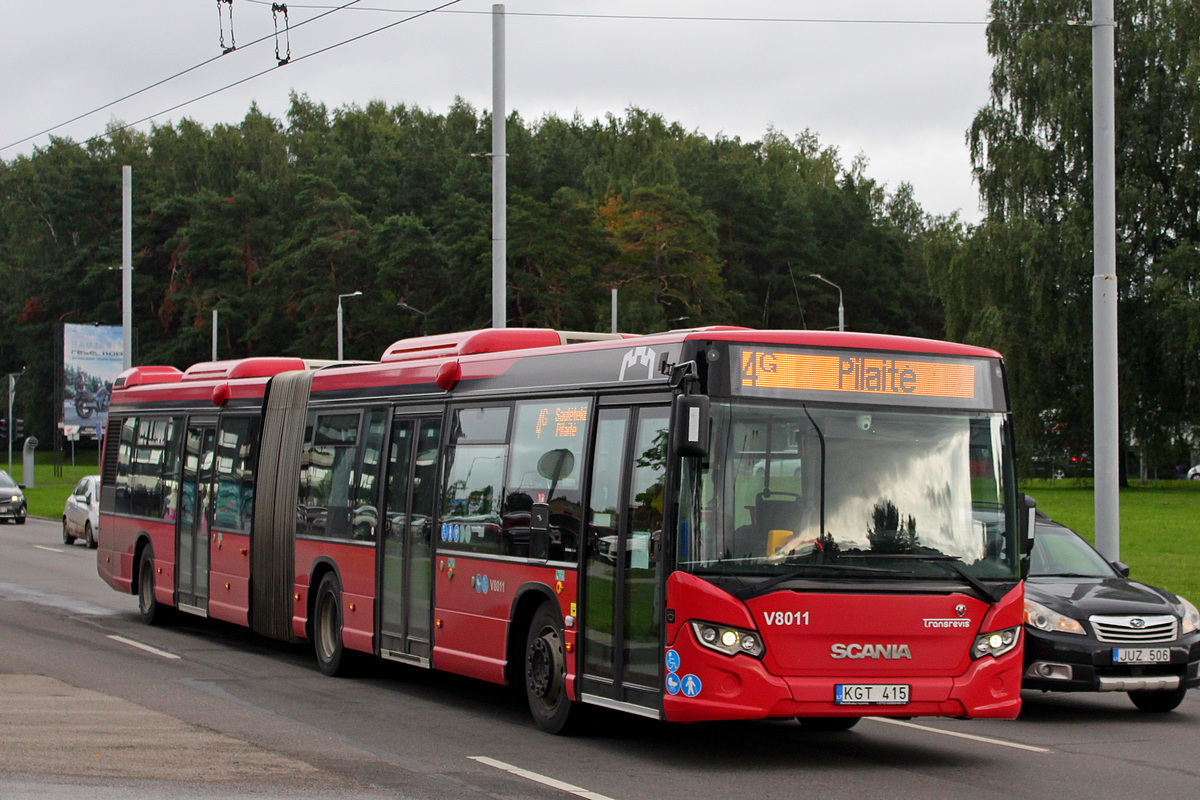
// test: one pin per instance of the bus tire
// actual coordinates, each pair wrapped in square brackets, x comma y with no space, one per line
[546,672]
[1158,701]
[332,657]
[827,724]
[152,611]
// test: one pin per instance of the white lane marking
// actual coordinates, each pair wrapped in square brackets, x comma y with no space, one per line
[48,549]
[542,779]
[971,736]
[141,646]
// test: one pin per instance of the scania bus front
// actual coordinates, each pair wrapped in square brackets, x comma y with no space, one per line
[849,544]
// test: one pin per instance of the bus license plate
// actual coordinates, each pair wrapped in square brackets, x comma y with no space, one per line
[1141,655]
[873,694]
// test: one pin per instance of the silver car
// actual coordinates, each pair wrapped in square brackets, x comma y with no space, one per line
[81,515]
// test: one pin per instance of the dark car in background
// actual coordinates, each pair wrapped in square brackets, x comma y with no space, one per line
[12,500]
[1089,628]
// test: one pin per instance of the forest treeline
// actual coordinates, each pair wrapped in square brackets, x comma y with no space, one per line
[269,220]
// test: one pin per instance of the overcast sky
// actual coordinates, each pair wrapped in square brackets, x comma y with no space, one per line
[897,81]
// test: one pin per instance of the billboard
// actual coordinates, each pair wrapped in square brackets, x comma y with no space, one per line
[93,356]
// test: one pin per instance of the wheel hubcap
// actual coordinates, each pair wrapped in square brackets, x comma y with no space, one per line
[539,663]
[327,626]
[145,596]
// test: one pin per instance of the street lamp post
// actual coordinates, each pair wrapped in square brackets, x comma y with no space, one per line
[424,314]
[339,320]
[841,308]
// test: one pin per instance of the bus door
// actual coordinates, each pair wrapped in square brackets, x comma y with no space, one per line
[194,521]
[406,565]
[622,648]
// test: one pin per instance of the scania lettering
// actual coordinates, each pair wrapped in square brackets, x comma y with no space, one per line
[870,651]
[707,524]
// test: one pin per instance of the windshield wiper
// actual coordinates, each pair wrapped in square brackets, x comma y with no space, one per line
[845,569]
[955,563]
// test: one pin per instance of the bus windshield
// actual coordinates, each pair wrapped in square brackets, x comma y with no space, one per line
[822,492]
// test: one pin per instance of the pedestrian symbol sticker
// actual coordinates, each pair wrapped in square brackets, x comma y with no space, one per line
[672,661]
[672,683]
[691,685]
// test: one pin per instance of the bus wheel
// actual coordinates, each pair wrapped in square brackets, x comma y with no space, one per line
[1158,701]
[827,724]
[546,672]
[332,657]
[153,612]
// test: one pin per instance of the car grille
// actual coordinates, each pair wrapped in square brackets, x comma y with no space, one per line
[1136,630]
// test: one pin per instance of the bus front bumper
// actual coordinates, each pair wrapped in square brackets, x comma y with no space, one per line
[740,687]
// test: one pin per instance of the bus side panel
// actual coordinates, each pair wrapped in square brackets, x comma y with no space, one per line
[355,565]
[162,537]
[229,578]
[473,599]
[114,552]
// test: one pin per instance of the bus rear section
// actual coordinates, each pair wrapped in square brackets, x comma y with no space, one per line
[849,544]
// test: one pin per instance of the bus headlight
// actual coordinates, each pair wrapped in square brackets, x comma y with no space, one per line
[996,643]
[727,639]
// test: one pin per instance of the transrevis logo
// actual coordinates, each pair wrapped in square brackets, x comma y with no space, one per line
[643,356]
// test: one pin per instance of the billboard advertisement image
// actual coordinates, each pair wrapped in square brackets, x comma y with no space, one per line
[92,359]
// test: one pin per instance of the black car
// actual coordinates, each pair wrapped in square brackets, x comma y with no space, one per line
[1089,628]
[12,500]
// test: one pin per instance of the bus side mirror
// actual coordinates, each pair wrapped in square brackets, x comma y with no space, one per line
[1028,514]
[691,425]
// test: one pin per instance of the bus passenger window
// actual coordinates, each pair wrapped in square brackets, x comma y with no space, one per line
[546,465]
[123,503]
[329,463]
[235,473]
[471,501]
[365,511]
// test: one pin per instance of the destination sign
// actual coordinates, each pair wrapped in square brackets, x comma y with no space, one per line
[889,377]
[561,421]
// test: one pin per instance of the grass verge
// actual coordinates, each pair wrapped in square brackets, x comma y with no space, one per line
[1160,527]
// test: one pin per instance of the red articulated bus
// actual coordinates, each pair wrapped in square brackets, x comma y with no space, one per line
[717,523]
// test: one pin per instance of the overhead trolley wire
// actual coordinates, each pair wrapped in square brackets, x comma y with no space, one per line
[248,78]
[180,74]
[286,58]
[663,17]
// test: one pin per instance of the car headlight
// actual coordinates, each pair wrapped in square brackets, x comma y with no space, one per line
[1191,617]
[996,643]
[728,640]
[1042,618]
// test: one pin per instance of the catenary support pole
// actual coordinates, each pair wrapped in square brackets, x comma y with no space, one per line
[1104,285]
[499,174]
[127,266]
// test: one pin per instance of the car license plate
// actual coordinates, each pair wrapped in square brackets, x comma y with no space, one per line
[871,694]
[1141,655]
